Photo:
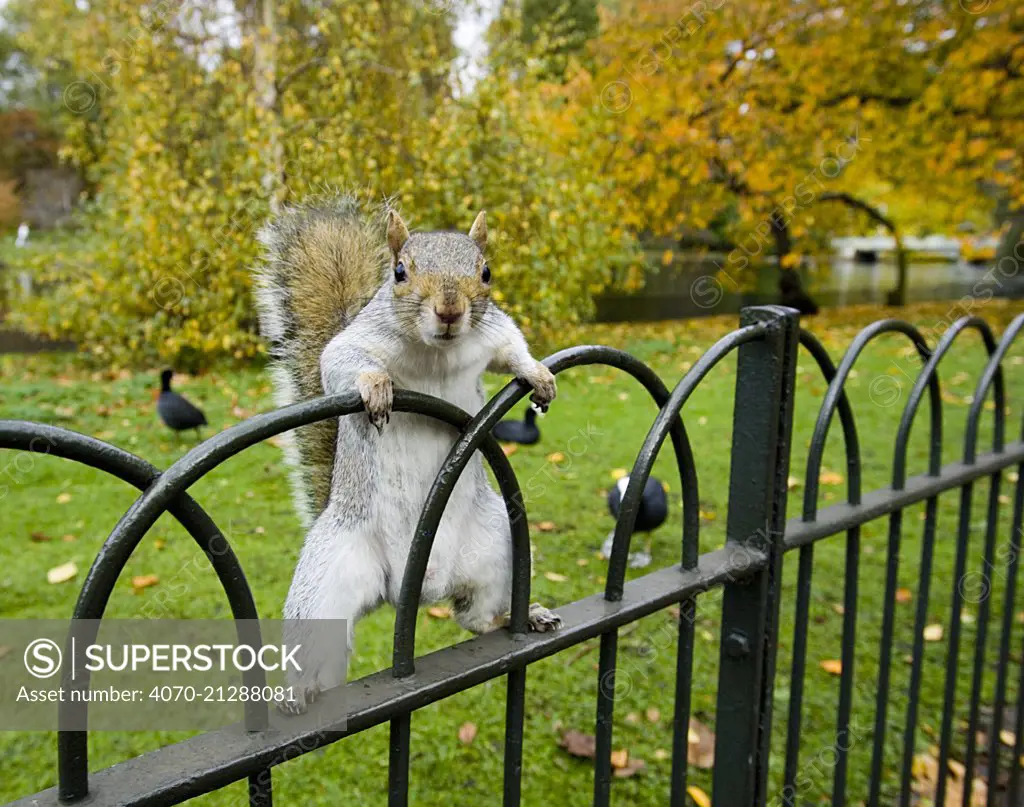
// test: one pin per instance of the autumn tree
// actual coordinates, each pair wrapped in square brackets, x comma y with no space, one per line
[770,109]
[193,126]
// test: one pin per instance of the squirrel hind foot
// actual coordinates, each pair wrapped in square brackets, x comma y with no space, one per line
[543,620]
[299,704]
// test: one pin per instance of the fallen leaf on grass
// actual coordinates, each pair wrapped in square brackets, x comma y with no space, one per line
[545,526]
[439,611]
[579,744]
[830,478]
[933,633]
[653,715]
[792,482]
[63,498]
[700,745]
[832,666]
[631,768]
[40,537]
[925,772]
[555,577]
[838,608]
[620,758]
[4,650]
[159,543]
[62,573]
[508,449]
[69,538]
[904,595]
[143,581]
[467,733]
[1007,738]
[556,457]
[700,798]
[661,755]
[618,473]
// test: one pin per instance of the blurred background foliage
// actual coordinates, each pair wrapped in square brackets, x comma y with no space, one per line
[582,127]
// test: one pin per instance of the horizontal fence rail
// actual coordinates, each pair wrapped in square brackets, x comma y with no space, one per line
[748,570]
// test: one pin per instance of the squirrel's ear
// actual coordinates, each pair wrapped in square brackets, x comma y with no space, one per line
[398,233]
[478,232]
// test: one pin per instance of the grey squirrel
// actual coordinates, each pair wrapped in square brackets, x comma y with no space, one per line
[346,308]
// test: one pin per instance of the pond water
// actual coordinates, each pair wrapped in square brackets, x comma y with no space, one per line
[695,288]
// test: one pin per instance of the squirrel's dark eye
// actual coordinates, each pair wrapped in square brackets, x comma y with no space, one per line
[400,275]
[485,275]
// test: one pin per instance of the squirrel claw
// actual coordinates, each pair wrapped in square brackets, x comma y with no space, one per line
[377,394]
[543,620]
[540,404]
[544,388]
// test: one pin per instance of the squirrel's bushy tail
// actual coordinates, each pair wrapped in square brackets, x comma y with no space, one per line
[324,261]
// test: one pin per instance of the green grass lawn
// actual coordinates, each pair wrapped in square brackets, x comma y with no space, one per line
[249,498]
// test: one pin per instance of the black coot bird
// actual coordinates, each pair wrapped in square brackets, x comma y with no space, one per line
[174,410]
[651,515]
[523,431]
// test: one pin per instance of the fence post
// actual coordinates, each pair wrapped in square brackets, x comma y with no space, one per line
[762,425]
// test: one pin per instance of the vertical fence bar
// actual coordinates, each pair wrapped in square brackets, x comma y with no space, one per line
[1005,640]
[892,567]
[981,639]
[920,621]
[1013,791]
[849,652]
[260,789]
[398,761]
[762,425]
[605,715]
[797,674]
[681,717]
[515,705]
[953,651]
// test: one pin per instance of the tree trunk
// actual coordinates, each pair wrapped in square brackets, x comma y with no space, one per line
[780,231]
[898,295]
[267,101]
[783,246]
[1014,235]
[791,288]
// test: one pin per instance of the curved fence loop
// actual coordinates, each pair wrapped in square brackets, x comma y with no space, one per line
[835,390]
[846,419]
[924,378]
[66,444]
[667,417]
[72,746]
[474,435]
[992,374]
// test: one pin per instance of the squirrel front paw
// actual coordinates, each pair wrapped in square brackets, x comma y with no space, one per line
[378,396]
[543,382]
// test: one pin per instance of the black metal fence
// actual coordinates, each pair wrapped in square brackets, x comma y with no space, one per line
[748,569]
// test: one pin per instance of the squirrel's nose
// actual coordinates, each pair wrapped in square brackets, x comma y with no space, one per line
[448,316]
